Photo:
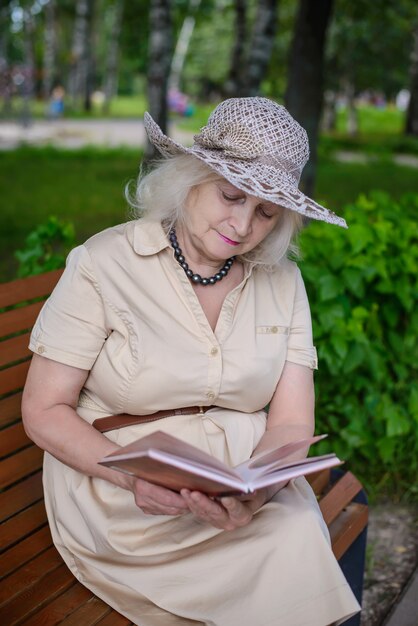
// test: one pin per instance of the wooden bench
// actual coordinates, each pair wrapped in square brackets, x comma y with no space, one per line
[36,587]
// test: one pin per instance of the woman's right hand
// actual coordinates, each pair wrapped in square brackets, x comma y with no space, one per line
[154,500]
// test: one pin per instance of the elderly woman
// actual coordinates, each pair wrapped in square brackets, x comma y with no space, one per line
[190,320]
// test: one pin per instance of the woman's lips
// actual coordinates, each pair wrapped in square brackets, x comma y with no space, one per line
[229,241]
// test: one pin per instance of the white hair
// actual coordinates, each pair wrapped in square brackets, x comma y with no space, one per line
[161,195]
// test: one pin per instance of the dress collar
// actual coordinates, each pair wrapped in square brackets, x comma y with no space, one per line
[149,237]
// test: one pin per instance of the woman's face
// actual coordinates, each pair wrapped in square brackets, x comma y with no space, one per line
[222,221]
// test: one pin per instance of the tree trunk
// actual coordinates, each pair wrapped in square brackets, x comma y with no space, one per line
[80,71]
[159,61]
[304,92]
[234,86]
[112,61]
[5,77]
[49,49]
[182,45]
[28,86]
[412,113]
[261,46]
[90,59]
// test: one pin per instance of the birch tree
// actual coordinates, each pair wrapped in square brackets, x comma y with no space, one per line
[29,71]
[112,61]
[5,78]
[261,46]
[79,83]
[182,45]
[49,49]
[159,62]
[249,62]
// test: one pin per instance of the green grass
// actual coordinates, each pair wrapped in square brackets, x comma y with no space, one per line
[388,120]
[121,107]
[340,183]
[369,143]
[87,187]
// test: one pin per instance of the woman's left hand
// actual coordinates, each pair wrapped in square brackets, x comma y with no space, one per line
[226,513]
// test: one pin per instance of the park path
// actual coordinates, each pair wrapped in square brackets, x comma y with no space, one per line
[112,133]
[78,133]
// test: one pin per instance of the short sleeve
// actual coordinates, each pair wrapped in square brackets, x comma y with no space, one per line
[300,345]
[71,328]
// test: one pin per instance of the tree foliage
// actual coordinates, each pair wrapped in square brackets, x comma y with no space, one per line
[370,45]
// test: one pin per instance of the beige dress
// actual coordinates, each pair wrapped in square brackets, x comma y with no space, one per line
[125,310]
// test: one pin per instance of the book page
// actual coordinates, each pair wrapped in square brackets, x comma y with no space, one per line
[270,469]
[274,455]
[287,473]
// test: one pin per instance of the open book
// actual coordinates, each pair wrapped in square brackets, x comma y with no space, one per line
[165,460]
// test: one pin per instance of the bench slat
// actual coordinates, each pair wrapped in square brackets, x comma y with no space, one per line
[347,527]
[20,496]
[23,524]
[65,604]
[114,619]
[10,409]
[13,378]
[20,465]
[319,481]
[28,288]
[87,614]
[29,574]
[13,439]
[19,319]
[340,494]
[24,551]
[14,349]
[48,587]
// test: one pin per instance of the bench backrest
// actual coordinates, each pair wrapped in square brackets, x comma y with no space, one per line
[20,303]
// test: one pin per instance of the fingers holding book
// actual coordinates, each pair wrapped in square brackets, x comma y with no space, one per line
[155,500]
[226,513]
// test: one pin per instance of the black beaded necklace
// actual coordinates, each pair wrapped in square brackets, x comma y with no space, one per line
[196,278]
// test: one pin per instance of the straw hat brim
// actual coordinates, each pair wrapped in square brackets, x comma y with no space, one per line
[246,175]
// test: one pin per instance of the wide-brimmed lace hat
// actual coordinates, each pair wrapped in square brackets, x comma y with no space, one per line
[256,145]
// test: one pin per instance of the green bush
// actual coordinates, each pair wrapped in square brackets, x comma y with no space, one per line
[46,247]
[362,286]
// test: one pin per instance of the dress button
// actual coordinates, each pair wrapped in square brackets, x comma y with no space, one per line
[214,351]
[210,395]
[274,329]
[40,349]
